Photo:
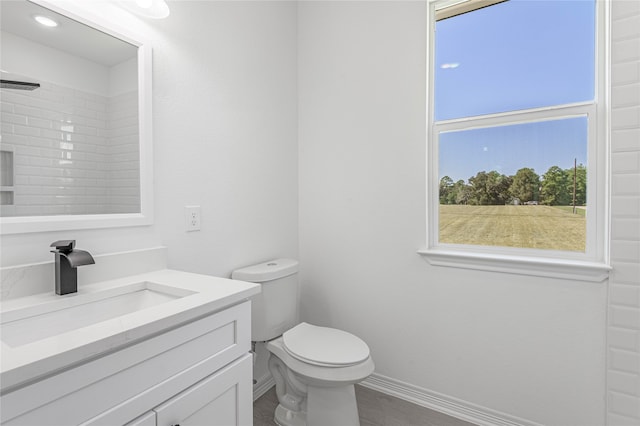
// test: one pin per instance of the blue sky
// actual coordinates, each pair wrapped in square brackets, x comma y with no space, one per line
[514,55]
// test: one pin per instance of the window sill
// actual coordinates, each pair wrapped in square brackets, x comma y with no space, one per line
[552,268]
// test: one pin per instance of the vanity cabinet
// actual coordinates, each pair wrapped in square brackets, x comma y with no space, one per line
[197,373]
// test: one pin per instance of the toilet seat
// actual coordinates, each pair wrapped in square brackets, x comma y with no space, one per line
[323,346]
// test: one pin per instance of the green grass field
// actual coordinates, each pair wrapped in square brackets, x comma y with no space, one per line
[540,227]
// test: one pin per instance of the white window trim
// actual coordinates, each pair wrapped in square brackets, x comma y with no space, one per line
[593,265]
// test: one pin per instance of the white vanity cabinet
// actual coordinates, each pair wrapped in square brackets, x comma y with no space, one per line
[196,373]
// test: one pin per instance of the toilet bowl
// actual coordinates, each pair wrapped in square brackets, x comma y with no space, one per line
[315,369]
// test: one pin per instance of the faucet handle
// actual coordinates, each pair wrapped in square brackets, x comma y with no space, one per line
[64,246]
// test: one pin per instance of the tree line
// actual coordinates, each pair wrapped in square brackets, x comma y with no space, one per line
[553,188]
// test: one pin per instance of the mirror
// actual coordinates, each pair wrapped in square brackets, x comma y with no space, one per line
[75,147]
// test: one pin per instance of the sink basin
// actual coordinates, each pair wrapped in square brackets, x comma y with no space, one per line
[33,323]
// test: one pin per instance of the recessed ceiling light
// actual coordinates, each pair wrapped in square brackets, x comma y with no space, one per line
[47,22]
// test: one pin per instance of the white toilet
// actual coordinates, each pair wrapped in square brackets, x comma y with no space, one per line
[314,367]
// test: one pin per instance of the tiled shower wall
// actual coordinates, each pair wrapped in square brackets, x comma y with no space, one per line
[123,154]
[623,333]
[73,152]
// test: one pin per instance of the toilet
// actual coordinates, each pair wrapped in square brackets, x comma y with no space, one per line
[314,368]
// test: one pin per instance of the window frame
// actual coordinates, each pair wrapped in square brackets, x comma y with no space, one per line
[593,264]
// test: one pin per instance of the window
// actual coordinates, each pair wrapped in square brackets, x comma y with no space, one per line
[517,139]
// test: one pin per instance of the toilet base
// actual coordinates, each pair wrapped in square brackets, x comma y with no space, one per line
[284,417]
[325,406]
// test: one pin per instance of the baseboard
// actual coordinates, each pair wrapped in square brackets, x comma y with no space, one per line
[453,407]
[263,386]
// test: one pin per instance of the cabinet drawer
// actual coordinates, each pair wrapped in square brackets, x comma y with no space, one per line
[120,386]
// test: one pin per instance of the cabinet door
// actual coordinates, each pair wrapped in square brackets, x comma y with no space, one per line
[222,399]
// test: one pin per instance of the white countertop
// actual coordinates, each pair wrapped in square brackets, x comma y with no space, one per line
[21,363]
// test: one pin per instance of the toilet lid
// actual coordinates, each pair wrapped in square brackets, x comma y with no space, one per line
[324,346]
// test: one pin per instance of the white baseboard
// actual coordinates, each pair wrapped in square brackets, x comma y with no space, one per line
[263,385]
[453,407]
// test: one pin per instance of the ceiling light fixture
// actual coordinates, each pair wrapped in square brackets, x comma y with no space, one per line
[47,22]
[155,9]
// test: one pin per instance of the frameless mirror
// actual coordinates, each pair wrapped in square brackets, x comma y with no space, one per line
[75,146]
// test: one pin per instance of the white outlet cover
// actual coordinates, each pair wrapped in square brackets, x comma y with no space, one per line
[192,216]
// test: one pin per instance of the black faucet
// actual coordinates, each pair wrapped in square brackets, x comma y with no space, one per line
[67,262]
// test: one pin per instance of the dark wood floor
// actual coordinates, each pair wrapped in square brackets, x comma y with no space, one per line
[375,408]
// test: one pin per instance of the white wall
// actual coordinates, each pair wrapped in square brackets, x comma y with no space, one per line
[224,129]
[530,348]
[623,366]
[225,139]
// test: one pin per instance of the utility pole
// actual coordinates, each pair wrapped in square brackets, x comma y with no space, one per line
[575,171]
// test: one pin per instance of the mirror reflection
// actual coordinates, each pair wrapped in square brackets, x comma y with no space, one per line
[70,127]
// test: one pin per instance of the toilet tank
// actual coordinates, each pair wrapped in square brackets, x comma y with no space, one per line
[275,309]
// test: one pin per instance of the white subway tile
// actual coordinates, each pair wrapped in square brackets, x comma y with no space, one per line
[7,107]
[20,160]
[10,138]
[625,184]
[624,404]
[626,272]
[40,162]
[625,140]
[31,200]
[21,180]
[624,361]
[625,118]
[51,134]
[625,206]
[129,140]
[53,210]
[625,95]
[74,137]
[626,229]
[622,316]
[624,339]
[626,50]
[7,117]
[39,122]
[625,295]
[625,162]
[86,130]
[625,73]
[26,131]
[621,9]
[49,95]
[624,383]
[625,251]
[28,210]
[28,111]
[96,106]
[14,97]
